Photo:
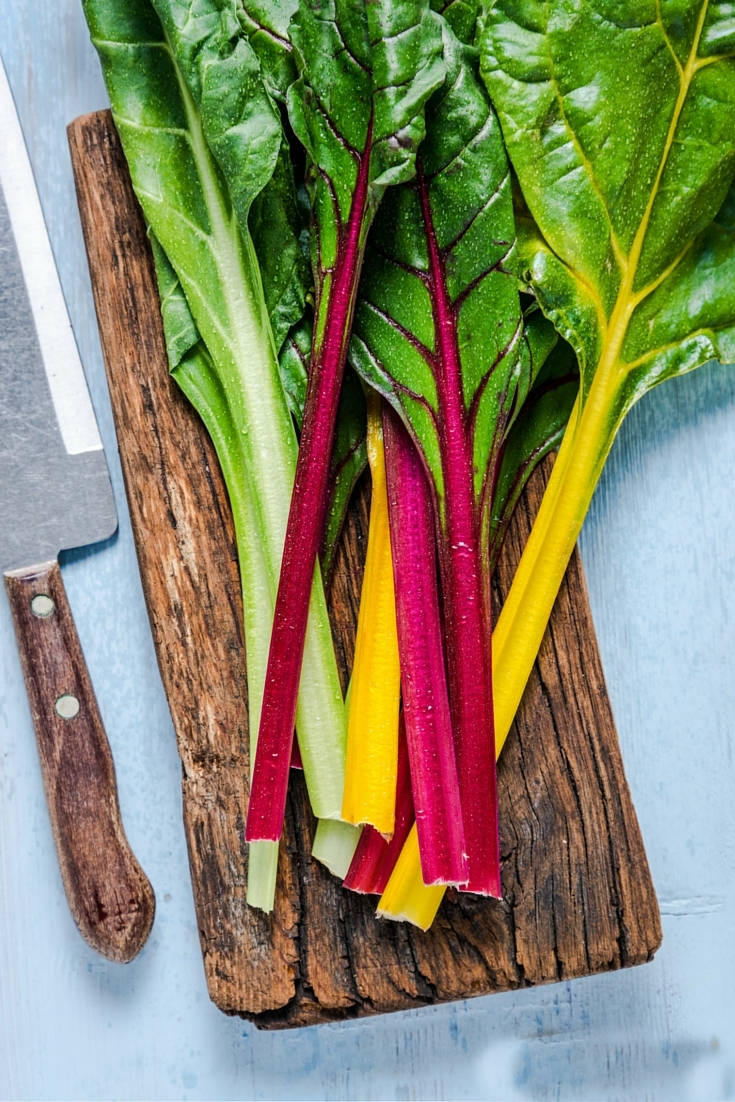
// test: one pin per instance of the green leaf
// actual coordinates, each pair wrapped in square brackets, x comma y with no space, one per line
[220,45]
[267,26]
[366,71]
[619,119]
[276,227]
[242,127]
[179,327]
[462,201]
[439,333]
[265,22]
[238,117]
[622,184]
[461,15]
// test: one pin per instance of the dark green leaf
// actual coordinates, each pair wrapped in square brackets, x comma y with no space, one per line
[366,71]
[461,15]
[619,119]
[265,22]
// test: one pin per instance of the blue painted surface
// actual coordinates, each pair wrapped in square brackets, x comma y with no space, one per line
[659,550]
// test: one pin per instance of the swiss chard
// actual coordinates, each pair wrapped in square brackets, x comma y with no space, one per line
[225,79]
[439,332]
[365,72]
[375,855]
[284,265]
[426,710]
[204,234]
[375,685]
[629,248]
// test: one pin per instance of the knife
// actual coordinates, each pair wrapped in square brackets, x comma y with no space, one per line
[55,494]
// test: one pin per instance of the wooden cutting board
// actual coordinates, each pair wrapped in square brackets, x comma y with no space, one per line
[577,893]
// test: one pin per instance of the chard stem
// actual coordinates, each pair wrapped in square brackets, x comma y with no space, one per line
[406,898]
[465,587]
[522,622]
[375,686]
[540,572]
[304,529]
[256,584]
[426,711]
[334,845]
[375,856]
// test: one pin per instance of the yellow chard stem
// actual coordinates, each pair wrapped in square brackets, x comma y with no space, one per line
[527,608]
[372,725]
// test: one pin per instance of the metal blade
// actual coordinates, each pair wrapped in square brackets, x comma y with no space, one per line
[55,489]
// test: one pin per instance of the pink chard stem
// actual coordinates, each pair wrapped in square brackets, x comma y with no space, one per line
[305,526]
[426,712]
[466,590]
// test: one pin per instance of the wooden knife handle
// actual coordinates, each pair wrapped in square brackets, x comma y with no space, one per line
[109,895]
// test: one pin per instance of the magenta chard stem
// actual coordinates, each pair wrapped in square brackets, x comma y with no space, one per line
[306,518]
[465,588]
[423,677]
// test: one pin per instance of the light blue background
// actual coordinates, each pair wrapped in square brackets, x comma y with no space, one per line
[659,549]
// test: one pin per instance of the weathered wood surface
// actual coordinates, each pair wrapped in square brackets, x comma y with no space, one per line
[577,892]
[109,895]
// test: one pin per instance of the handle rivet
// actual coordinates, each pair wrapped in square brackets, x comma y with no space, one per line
[42,606]
[67,706]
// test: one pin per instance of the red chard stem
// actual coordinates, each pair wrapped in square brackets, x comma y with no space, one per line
[465,588]
[423,678]
[305,526]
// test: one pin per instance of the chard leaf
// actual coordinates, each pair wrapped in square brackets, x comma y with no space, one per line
[265,23]
[242,126]
[276,227]
[185,201]
[365,73]
[438,327]
[439,333]
[179,328]
[622,185]
[238,117]
[619,119]
[223,71]
[277,220]
[461,15]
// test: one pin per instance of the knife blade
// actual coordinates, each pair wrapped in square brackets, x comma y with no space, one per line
[55,494]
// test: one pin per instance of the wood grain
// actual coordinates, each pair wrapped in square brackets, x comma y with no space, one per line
[577,892]
[109,895]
